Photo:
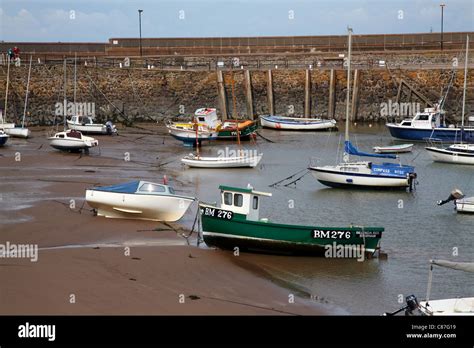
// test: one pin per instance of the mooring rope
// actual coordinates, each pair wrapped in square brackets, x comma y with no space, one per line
[289,177]
[297,179]
[261,136]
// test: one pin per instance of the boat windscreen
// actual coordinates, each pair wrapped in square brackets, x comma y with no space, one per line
[128,187]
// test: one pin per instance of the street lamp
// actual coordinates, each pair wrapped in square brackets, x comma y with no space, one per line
[442,14]
[140,26]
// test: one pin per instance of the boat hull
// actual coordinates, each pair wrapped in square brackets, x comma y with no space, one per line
[465,205]
[188,137]
[421,134]
[71,144]
[447,307]
[88,129]
[355,180]
[231,134]
[293,123]
[223,162]
[18,132]
[3,139]
[447,156]
[138,206]
[279,238]
[394,149]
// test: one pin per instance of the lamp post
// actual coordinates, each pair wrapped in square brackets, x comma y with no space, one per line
[442,15]
[140,26]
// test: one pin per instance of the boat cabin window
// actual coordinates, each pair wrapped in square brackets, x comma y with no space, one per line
[152,188]
[423,117]
[227,198]
[255,203]
[406,123]
[171,190]
[238,200]
[61,136]
[201,119]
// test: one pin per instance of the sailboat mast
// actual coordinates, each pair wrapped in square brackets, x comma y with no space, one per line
[465,82]
[26,96]
[64,101]
[75,73]
[346,138]
[6,90]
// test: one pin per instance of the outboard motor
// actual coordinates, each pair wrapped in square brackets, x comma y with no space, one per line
[413,307]
[110,128]
[455,194]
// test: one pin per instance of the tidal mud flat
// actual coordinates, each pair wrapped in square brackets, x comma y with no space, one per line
[93,265]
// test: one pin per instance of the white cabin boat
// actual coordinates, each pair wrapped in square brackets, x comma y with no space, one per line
[140,200]
[296,123]
[18,132]
[456,153]
[241,161]
[86,125]
[72,140]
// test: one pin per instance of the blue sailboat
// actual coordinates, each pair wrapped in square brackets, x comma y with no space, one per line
[363,174]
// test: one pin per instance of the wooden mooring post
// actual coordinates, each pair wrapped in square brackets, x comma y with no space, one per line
[332,93]
[248,93]
[221,94]
[307,94]
[271,110]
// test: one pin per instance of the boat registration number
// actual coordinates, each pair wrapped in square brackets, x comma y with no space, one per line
[218,213]
[331,234]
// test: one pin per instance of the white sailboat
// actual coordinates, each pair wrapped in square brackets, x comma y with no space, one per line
[460,153]
[22,132]
[362,174]
[70,140]
[3,115]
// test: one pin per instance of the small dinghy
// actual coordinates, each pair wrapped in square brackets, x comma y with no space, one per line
[462,204]
[242,161]
[72,141]
[296,123]
[393,148]
[142,200]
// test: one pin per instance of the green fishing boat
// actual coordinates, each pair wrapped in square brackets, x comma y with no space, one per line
[236,223]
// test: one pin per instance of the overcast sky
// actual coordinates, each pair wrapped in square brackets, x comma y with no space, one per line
[99,20]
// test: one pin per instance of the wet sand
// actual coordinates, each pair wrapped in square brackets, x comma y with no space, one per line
[113,266]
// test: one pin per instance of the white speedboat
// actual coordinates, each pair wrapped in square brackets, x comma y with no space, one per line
[296,123]
[462,204]
[362,174]
[442,307]
[140,200]
[222,162]
[86,125]
[450,306]
[465,205]
[402,148]
[72,140]
[3,137]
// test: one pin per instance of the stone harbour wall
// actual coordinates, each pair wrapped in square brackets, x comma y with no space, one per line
[122,94]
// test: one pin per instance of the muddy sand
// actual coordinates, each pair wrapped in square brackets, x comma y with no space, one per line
[94,265]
